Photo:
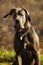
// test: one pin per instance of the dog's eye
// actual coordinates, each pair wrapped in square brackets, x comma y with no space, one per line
[14,16]
[20,14]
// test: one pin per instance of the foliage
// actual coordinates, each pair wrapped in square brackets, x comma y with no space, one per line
[41,59]
[7,54]
[6,63]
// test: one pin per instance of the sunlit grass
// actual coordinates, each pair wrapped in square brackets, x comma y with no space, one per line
[41,59]
[7,54]
[6,63]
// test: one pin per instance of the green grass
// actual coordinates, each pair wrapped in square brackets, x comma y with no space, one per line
[41,59]
[7,54]
[5,63]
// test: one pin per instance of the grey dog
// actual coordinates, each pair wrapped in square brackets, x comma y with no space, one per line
[25,38]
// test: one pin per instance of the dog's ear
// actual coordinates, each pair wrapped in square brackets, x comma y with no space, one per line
[13,11]
[28,18]
[27,15]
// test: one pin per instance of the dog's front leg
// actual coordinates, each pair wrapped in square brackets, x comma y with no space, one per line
[19,60]
[33,62]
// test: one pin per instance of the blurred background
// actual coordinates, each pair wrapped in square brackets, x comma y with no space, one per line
[35,8]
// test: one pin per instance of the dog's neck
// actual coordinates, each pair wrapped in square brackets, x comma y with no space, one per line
[27,25]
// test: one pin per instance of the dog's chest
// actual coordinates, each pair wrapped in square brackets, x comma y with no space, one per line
[18,44]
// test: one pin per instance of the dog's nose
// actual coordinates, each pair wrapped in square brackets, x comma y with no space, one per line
[17,21]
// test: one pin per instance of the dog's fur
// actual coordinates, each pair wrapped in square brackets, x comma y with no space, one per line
[30,50]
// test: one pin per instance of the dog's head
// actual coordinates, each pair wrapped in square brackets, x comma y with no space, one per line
[20,16]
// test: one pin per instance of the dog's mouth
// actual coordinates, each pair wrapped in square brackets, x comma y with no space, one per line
[17,27]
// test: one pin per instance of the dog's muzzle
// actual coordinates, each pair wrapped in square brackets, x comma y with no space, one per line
[17,22]
[17,25]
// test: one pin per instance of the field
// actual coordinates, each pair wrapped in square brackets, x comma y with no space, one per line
[41,59]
